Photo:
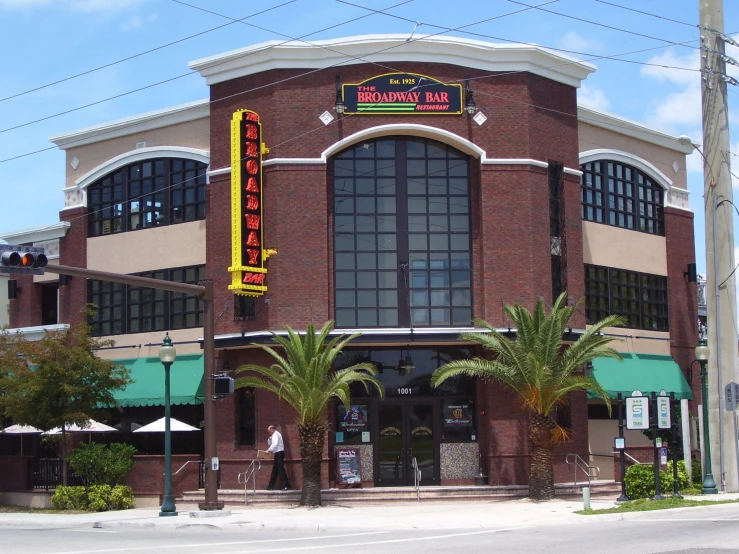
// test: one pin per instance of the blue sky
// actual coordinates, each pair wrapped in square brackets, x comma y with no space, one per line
[48,40]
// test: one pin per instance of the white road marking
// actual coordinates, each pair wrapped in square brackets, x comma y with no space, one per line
[198,545]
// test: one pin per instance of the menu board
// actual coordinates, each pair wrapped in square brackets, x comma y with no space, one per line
[348,466]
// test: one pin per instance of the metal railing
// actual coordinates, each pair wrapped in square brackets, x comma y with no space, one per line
[250,473]
[578,463]
[630,458]
[416,478]
[46,473]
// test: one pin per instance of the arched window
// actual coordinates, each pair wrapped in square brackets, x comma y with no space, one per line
[146,194]
[402,254]
[621,195]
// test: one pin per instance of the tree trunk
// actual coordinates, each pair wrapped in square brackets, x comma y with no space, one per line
[311,450]
[541,435]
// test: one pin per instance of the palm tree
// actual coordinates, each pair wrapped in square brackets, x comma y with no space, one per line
[543,372]
[303,377]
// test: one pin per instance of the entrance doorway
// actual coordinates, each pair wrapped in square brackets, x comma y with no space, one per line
[406,430]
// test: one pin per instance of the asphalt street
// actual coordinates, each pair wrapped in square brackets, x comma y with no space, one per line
[714,530]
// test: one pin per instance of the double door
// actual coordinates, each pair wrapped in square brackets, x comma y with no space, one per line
[407,430]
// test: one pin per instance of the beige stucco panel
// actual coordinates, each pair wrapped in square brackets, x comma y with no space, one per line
[192,134]
[596,138]
[135,344]
[610,246]
[149,249]
[639,341]
[601,433]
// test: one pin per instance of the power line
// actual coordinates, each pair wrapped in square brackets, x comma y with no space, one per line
[482,35]
[601,24]
[647,13]
[160,47]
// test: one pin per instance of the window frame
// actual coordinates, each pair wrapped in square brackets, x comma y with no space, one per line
[641,298]
[146,194]
[620,195]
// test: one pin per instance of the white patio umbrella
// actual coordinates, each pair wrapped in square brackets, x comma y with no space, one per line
[21,430]
[91,426]
[158,426]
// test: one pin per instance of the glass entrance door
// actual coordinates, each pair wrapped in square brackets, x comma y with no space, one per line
[407,430]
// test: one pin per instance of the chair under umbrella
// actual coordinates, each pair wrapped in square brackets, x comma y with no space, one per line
[158,426]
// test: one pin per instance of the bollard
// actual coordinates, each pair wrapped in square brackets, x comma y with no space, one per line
[586,498]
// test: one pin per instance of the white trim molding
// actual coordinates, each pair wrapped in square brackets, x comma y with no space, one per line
[674,197]
[38,234]
[137,124]
[623,126]
[391,48]
[38,332]
[76,196]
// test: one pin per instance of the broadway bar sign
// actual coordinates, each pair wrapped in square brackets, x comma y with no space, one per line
[247,241]
[406,93]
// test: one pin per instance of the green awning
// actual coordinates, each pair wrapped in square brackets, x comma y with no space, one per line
[147,389]
[644,372]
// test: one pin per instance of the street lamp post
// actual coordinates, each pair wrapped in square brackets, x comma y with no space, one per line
[167,354]
[701,354]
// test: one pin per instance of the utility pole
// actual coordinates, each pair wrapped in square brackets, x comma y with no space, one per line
[719,222]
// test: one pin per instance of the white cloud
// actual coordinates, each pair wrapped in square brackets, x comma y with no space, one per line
[576,43]
[135,22]
[593,97]
[74,5]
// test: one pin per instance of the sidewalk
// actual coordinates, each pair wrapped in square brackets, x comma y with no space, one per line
[391,516]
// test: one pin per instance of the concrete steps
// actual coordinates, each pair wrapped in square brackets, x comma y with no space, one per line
[396,494]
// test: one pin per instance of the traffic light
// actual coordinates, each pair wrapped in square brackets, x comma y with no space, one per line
[22,259]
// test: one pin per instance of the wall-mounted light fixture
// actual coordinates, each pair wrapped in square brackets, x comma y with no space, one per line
[691,273]
[64,280]
[405,365]
[339,101]
[470,105]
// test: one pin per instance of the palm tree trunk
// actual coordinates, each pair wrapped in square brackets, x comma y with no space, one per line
[541,481]
[311,450]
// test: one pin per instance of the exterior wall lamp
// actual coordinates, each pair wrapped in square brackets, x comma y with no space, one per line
[339,101]
[470,106]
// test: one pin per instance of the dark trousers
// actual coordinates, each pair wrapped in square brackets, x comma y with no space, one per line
[279,469]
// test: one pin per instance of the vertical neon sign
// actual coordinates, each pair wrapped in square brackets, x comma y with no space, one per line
[247,269]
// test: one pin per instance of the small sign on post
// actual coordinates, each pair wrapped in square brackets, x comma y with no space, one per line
[637,412]
[620,443]
[732,396]
[663,456]
[663,412]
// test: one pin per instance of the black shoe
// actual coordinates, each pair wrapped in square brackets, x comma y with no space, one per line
[270,488]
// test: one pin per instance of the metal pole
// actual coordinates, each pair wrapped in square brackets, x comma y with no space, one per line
[623,497]
[657,491]
[168,506]
[709,485]
[720,233]
[211,477]
[206,293]
[673,419]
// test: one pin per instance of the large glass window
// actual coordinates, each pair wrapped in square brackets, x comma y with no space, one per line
[122,309]
[402,235]
[147,194]
[640,298]
[620,195]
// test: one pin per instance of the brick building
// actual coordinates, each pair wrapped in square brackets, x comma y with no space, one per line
[407,188]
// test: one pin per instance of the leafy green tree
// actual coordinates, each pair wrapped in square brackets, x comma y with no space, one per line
[542,370]
[103,464]
[302,376]
[58,380]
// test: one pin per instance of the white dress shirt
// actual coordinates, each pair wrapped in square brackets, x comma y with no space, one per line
[275,443]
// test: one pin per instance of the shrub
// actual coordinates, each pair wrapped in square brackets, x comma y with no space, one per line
[640,480]
[697,473]
[69,498]
[102,464]
[96,498]
[683,479]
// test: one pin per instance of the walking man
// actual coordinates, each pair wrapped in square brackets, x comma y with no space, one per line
[277,447]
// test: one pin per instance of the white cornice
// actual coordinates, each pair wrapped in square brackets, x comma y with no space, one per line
[38,234]
[37,333]
[630,128]
[130,125]
[138,155]
[627,158]
[391,48]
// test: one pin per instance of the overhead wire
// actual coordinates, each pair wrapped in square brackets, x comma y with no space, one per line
[646,13]
[140,54]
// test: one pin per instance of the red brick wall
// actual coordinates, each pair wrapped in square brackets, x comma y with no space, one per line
[682,296]
[147,475]
[14,473]
[73,252]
